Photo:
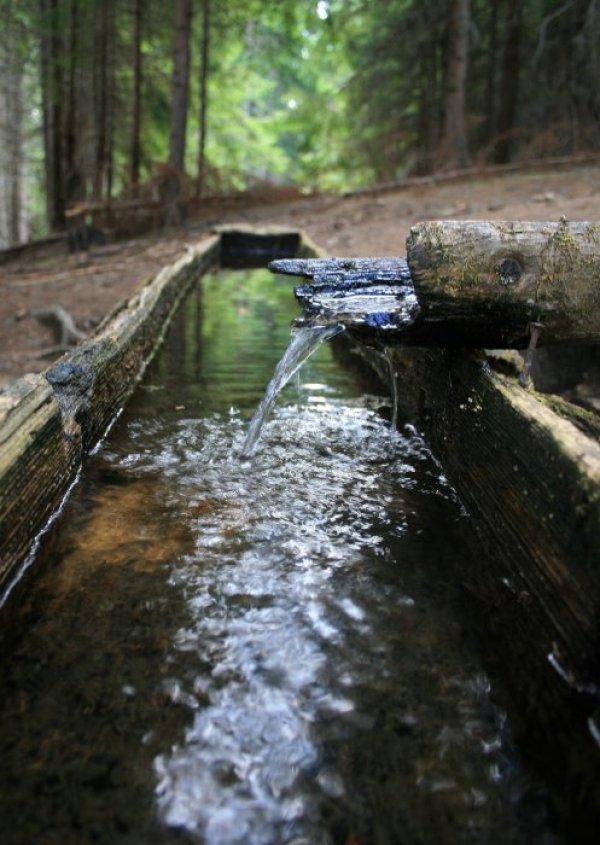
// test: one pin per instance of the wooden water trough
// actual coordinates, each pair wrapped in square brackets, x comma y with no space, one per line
[526,465]
[49,421]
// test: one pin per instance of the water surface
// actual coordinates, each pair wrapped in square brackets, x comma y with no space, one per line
[257,651]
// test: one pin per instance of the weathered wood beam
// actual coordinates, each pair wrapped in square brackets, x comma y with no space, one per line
[92,383]
[477,284]
[48,421]
[39,457]
[484,282]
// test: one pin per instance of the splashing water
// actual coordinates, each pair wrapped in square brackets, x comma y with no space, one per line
[304,342]
[221,656]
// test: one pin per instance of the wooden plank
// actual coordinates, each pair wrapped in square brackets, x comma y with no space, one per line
[372,296]
[531,478]
[345,270]
[48,421]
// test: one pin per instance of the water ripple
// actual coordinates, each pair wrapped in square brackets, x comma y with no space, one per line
[293,615]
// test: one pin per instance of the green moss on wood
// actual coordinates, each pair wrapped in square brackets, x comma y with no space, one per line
[586,421]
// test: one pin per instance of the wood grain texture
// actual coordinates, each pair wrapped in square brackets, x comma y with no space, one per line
[39,457]
[532,479]
[486,281]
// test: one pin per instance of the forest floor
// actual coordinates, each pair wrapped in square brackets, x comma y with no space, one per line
[376,223]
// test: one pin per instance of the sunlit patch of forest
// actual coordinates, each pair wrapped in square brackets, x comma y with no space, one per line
[116,100]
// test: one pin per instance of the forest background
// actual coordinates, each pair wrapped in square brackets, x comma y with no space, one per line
[100,99]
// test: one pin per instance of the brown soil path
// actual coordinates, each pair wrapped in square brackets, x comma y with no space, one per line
[374,224]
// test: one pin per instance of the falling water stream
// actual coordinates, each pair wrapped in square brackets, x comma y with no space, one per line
[256,650]
[304,342]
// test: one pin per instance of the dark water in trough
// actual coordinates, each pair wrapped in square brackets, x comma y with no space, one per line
[268,651]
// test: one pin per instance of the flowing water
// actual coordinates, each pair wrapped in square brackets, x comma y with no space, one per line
[305,342]
[389,360]
[226,650]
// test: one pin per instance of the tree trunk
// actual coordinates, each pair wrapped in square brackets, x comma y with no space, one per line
[15,156]
[74,185]
[111,104]
[11,132]
[4,238]
[203,97]
[509,93]
[44,71]
[57,120]
[454,142]
[101,102]
[51,70]
[428,121]
[490,93]
[180,84]
[136,150]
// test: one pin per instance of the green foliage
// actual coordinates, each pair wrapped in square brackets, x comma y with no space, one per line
[327,95]
[276,97]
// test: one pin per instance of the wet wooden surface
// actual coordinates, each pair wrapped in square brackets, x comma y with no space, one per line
[94,381]
[39,456]
[531,478]
[478,284]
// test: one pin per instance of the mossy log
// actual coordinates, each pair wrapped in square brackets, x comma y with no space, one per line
[481,283]
[39,457]
[48,421]
[476,284]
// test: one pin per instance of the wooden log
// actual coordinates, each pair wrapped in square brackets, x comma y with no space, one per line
[481,283]
[477,284]
[39,456]
[48,421]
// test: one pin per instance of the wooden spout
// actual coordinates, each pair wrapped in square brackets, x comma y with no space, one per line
[482,283]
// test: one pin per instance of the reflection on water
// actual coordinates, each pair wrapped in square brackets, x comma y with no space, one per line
[323,667]
[255,651]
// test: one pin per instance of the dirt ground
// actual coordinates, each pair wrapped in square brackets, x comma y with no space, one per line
[89,286]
